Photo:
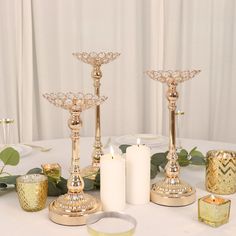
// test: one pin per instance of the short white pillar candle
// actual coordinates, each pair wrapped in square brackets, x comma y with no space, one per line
[138,174]
[112,177]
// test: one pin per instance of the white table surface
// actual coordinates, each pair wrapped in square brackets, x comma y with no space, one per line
[152,219]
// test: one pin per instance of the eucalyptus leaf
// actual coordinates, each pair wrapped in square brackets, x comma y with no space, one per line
[197,161]
[163,164]
[183,153]
[158,158]
[154,170]
[183,161]
[10,179]
[97,180]
[196,153]
[10,156]
[88,184]
[35,171]
[190,153]
[123,147]
[53,190]
[62,185]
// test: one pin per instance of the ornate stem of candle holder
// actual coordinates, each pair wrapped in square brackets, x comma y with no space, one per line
[74,207]
[172,191]
[96,60]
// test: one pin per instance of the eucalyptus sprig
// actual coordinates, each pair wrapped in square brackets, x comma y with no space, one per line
[55,187]
[185,158]
[10,157]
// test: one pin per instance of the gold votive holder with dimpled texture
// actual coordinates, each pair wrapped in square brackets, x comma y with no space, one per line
[221,172]
[213,210]
[32,191]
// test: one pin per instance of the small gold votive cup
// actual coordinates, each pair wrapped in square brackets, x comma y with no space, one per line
[32,191]
[52,170]
[213,210]
[221,172]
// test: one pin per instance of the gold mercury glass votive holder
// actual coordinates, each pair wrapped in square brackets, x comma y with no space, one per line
[213,210]
[32,191]
[221,172]
[52,170]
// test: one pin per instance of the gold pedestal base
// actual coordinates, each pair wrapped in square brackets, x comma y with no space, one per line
[90,172]
[172,194]
[73,208]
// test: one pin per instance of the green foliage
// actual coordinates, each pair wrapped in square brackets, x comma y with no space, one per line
[34,171]
[9,156]
[123,147]
[159,160]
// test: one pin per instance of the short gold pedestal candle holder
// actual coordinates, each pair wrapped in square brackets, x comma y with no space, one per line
[213,210]
[74,207]
[172,191]
[221,171]
[96,60]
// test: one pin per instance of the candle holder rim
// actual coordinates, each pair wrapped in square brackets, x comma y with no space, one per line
[93,219]
[96,58]
[31,178]
[220,152]
[226,200]
[54,97]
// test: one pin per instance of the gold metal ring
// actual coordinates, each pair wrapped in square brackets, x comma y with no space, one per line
[92,219]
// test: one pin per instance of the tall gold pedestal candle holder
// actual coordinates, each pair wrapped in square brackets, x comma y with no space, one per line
[74,207]
[172,191]
[96,60]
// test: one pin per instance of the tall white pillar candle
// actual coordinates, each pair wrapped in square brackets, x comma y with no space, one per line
[112,187]
[138,174]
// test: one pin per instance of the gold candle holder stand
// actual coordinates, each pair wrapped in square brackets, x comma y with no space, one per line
[74,207]
[172,191]
[96,60]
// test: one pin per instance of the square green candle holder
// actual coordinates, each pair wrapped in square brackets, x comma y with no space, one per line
[213,210]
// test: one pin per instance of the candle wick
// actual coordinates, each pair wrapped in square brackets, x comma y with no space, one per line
[112,157]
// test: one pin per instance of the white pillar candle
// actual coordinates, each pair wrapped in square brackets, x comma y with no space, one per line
[138,174]
[112,187]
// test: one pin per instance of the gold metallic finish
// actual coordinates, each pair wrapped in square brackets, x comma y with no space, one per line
[52,170]
[93,219]
[213,210]
[221,172]
[6,121]
[179,113]
[73,207]
[172,191]
[32,191]
[96,60]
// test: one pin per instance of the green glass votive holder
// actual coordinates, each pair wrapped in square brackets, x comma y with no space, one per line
[52,170]
[213,210]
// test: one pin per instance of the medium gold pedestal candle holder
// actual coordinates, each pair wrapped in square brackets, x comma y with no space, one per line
[172,191]
[96,60]
[74,207]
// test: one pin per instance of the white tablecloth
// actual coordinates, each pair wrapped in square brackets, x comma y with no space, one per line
[152,219]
